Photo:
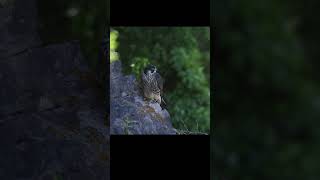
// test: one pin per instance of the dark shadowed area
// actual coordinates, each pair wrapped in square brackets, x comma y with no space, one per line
[267,100]
[52,106]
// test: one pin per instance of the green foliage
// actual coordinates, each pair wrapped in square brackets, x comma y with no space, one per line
[127,124]
[138,64]
[190,111]
[189,70]
[113,45]
[182,56]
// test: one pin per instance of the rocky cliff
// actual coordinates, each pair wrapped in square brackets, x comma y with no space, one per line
[129,113]
[52,117]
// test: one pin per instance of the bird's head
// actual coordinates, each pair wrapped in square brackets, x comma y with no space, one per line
[150,69]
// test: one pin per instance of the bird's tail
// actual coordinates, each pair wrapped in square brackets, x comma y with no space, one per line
[163,101]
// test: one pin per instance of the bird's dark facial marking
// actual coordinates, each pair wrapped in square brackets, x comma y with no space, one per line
[150,68]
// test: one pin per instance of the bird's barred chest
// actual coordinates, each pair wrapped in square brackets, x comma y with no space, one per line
[152,85]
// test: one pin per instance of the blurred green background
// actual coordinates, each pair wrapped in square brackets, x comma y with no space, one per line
[85,21]
[267,101]
[182,56]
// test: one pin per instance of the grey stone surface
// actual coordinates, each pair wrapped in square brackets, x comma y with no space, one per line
[129,112]
[52,116]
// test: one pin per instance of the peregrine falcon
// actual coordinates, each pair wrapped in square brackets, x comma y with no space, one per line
[152,84]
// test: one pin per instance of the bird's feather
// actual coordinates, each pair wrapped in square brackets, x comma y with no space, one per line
[159,81]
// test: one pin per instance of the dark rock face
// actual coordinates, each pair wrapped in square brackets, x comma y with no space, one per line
[52,116]
[18,26]
[129,113]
